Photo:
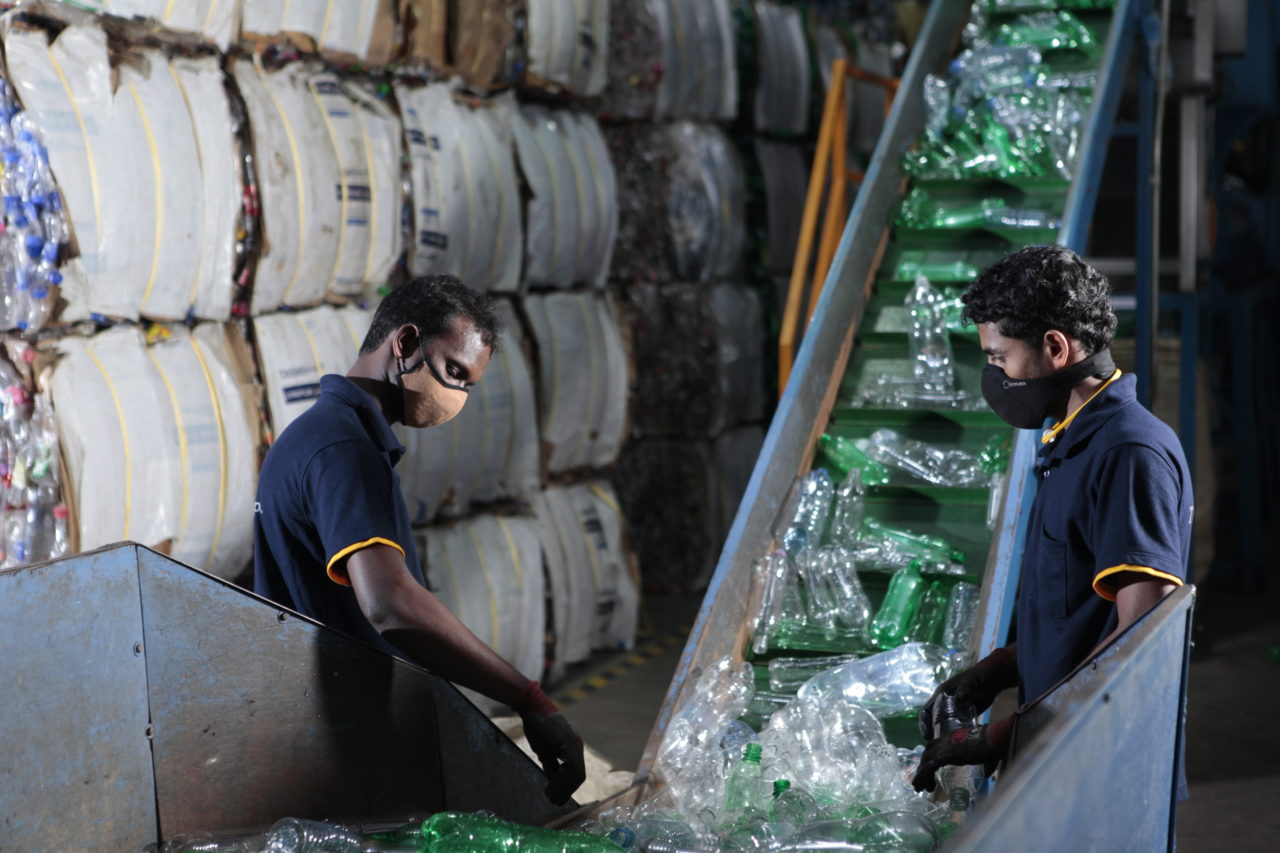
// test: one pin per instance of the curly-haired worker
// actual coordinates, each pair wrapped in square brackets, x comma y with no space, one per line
[331,532]
[1110,526]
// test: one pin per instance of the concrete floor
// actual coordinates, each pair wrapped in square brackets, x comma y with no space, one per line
[1233,726]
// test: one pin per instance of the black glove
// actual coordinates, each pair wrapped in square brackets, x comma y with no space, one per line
[985,745]
[554,741]
[974,689]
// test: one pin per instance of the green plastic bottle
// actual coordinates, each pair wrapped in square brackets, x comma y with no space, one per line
[931,617]
[844,455]
[454,832]
[792,805]
[742,788]
[901,601]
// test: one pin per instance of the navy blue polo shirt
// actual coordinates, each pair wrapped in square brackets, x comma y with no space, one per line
[327,489]
[1113,495]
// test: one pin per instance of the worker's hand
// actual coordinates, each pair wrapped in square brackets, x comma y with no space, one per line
[977,687]
[985,745]
[553,740]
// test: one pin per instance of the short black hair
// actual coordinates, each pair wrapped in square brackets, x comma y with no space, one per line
[432,303]
[1039,288]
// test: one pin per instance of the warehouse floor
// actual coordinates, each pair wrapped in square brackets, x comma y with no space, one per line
[1233,752]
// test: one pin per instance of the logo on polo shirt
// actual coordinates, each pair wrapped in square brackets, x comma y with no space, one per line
[257,507]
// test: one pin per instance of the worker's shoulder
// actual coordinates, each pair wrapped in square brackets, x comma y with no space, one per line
[327,425]
[1134,428]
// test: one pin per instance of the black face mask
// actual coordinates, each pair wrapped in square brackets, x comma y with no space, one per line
[1025,403]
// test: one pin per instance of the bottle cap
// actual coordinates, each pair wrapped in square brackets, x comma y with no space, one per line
[61,511]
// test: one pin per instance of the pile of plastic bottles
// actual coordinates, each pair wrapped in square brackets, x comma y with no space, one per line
[35,519]
[819,774]
[811,598]
[35,225]
[920,209]
[1005,110]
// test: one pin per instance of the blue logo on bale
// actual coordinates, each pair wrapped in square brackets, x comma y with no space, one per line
[302,393]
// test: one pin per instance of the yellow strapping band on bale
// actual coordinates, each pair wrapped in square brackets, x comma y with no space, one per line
[299,176]
[515,553]
[213,7]
[373,195]
[502,206]
[224,462]
[88,147]
[182,440]
[343,188]
[186,99]
[124,436]
[159,194]
[311,342]
[469,183]
[328,19]
[606,497]
[488,585]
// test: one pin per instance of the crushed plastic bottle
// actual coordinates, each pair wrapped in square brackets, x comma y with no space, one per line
[941,467]
[887,683]
[928,341]
[962,609]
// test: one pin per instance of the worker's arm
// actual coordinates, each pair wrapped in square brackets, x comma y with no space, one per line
[1135,594]
[415,621]
[412,619]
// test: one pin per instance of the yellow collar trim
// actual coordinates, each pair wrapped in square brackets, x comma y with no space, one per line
[1054,431]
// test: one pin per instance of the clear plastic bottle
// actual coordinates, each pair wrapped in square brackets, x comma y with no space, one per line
[848,510]
[962,609]
[928,342]
[787,674]
[792,805]
[15,536]
[930,463]
[809,524]
[887,683]
[61,545]
[930,618]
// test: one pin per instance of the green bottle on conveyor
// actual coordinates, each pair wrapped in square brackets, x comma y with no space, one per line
[455,832]
[926,548]
[931,617]
[744,782]
[901,601]
[844,455]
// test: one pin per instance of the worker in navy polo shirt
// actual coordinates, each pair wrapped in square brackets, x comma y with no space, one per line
[1110,526]
[331,532]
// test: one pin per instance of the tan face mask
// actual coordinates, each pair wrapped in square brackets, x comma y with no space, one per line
[428,399]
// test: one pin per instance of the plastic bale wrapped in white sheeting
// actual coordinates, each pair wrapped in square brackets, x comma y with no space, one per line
[572,217]
[216,20]
[786,177]
[118,438]
[705,195]
[383,139]
[489,452]
[216,449]
[700,72]
[583,379]
[466,202]
[782,92]
[352,28]
[357,321]
[488,571]
[594,599]
[568,43]
[201,81]
[294,351]
[740,336]
[298,172]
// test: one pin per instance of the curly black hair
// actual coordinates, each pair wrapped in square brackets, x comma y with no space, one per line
[431,303]
[1039,288]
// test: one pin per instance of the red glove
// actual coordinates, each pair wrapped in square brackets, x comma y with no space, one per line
[985,745]
[553,740]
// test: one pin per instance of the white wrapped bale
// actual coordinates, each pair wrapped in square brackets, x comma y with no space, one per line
[568,43]
[356,28]
[700,72]
[466,210]
[488,571]
[216,20]
[594,600]
[117,434]
[572,217]
[294,351]
[216,450]
[383,138]
[201,81]
[298,172]
[706,198]
[583,372]
[782,93]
